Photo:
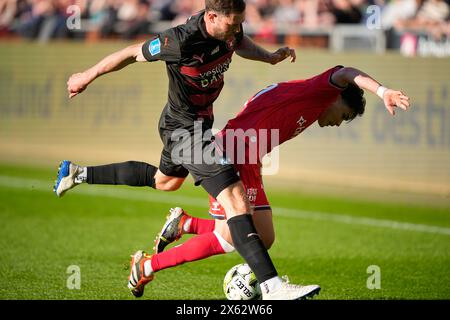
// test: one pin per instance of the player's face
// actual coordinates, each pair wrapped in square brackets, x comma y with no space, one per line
[335,114]
[226,27]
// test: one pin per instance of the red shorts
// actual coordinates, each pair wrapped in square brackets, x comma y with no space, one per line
[251,178]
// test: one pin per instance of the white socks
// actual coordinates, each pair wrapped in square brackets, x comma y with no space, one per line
[148,268]
[273,284]
[82,176]
[187,225]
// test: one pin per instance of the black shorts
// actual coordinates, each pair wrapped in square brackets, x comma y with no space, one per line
[184,146]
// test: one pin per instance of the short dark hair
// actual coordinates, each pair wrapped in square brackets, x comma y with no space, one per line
[353,97]
[225,7]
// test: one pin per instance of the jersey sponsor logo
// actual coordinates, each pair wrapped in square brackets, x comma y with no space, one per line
[155,47]
[208,75]
[211,76]
[251,194]
[215,50]
[199,58]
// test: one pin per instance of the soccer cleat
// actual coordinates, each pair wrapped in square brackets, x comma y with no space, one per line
[137,279]
[172,229]
[289,291]
[67,172]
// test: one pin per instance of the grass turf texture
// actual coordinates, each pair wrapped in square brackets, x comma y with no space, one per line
[97,227]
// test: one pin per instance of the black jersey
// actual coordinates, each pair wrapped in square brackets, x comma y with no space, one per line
[195,63]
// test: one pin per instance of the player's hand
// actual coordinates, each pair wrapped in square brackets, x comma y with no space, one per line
[282,54]
[395,99]
[77,83]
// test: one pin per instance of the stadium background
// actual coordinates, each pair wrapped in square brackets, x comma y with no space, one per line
[116,118]
[403,160]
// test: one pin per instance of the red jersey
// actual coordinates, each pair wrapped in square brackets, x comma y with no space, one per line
[288,107]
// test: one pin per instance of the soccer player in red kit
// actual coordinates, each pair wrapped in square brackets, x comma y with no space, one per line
[284,109]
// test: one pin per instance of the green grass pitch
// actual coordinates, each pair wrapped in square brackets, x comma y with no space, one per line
[330,241]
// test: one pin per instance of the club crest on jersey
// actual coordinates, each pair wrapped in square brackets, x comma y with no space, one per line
[230,44]
[155,47]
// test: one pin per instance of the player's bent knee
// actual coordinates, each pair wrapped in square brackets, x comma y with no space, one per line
[167,187]
[234,200]
[169,184]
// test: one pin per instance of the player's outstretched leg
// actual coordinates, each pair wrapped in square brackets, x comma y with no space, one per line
[137,278]
[289,291]
[172,229]
[67,177]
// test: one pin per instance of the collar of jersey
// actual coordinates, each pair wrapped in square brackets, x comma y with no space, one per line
[201,24]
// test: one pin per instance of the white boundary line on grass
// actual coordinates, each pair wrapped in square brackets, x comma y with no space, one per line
[176,200]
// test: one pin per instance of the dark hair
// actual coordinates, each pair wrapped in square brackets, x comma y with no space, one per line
[225,7]
[353,97]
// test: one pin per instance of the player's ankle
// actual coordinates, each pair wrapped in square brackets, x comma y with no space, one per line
[81,176]
[186,225]
[271,284]
[148,270]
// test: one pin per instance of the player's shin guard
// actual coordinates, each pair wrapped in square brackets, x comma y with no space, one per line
[131,173]
[249,245]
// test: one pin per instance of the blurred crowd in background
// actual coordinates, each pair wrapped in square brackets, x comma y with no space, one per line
[131,19]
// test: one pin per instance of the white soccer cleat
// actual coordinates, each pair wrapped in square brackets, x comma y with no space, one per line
[137,279]
[172,229]
[67,174]
[289,291]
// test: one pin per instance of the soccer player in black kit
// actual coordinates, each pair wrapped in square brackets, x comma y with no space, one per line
[197,54]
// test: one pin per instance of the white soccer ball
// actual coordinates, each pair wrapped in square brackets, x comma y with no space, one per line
[240,283]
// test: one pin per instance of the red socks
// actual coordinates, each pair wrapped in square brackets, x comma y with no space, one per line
[196,248]
[200,226]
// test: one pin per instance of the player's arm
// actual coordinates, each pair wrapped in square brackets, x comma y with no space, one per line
[391,98]
[78,82]
[247,49]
